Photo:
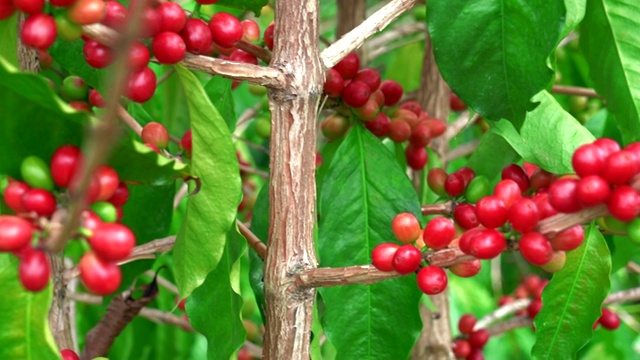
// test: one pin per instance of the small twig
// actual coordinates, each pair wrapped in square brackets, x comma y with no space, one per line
[632,294]
[251,144]
[132,123]
[252,240]
[569,38]
[163,317]
[461,123]
[165,76]
[508,325]
[461,151]
[255,50]
[356,37]
[574,90]
[252,170]
[182,192]
[391,47]
[163,282]
[444,208]
[247,115]
[502,312]
[390,35]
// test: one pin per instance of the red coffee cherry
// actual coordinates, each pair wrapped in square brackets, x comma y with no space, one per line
[487,244]
[556,263]
[568,239]
[64,164]
[407,259]
[97,55]
[461,348]
[150,22]
[544,206]
[39,31]
[90,220]
[620,167]
[333,84]
[455,103]
[609,320]
[68,354]
[139,56]
[436,126]
[34,270]
[399,131]
[7,8]
[466,269]
[99,276]
[392,91]
[225,29]
[197,36]
[13,196]
[173,16]
[155,133]
[120,196]
[412,106]
[29,6]
[516,173]
[491,211]
[535,248]
[112,241]
[243,57]
[439,232]
[15,233]
[432,280]
[369,76]
[39,201]
[250,30]
[382,256]
[479,338]
[508,191]
[334,126]
[542,179]
[406,227]
[356,93]
[588,159]
[563,195]
[95,99]
[109,181]
[534,308]
[348,66]
[454,185]
[420,135]
[85,12]
[608,146]
[436,179]
[417,157]
[380,126]
[592,190]
[186,142]
[115,15]
[268,37]
[141,85]
[465,216]
[467,174]
[466,323]
[524,215]
[624,203]
[466,239]
[532,283]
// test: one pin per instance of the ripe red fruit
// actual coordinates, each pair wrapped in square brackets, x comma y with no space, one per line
[405,227]
[524,215]
[437,127]
[90,220]
[535,248]
[420,135]
[68,354]
[369,76]
[517,174]
[467,174]
[120,196]
[34,270]
[432,280]
[392,91]
[99,276]
[380,125]
[97,55]
[486,244]
[348,66]
[197,36]
[172,15]
[412,106]
[29,6]
[226,29]
[108,180]
[112,241]
[563,195]
[465,216]
[399,131]
[268,37]
[155,133]
[13,196]
[592,190]
[624,203]
[461,348]
[467,237]
[455,103]
[609,320]
[39,31]
[85,12]
[466,269]
[454,184]
[466,323]
[406,259]
[542,179]
[333,84]
[587,160]
[608,146]
[15,233]
[115,15]
[534,308]
[620,167]
[436,179]
[508,191]
[139,56]
[532,283]
[150,21]
[7,8]
[141,85]
[250,30]
[186,143]
[491,211]
[243,57]
[544,206]
[40,201]
[95,99]
[439,232]
[479,338]
[382,256]
[568,239]
[92,191]
[416,157]
[64,164]
[356,93]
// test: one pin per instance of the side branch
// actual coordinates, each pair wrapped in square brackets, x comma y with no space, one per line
[356,37]
[253,240]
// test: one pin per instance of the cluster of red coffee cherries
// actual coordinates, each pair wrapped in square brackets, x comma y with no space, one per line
[363,95]
[46,188]
[471,342]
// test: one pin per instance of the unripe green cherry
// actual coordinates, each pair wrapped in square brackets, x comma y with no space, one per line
[67,29]
[35,172]
[257,90]
[74,88]
[477,189]
[105,210]
[263,127]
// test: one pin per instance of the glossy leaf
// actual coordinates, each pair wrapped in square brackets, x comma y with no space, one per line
[214,307]
[572,300]
[489,55]
[548,136]
[24,328]
[137,162]
[494,147]
[211,212]
[575,14]
[251,5]
[69,56]
[219,91]
[361,194]
[260,227]
[611,44]
[8,34]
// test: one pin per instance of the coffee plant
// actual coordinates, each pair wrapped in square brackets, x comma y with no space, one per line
[218,179]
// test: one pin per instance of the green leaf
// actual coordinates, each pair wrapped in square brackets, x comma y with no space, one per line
[35,121]
[214,308]
[575,14]
[572,300]
[211,212]
[488,54]
[548,137]
[24,328]
[362,192]
[70,56]
[219,91]
[494,147]
[251,5]
[9,35]
[611,43]
[260,227]
[136,162]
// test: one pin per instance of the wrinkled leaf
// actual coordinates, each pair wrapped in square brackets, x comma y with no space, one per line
[572,300]
[214,307]
[211,212]
[24,328]
[611,43]
[361,194]
[489,55]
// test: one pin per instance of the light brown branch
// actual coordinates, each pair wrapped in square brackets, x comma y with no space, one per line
[253,240]
[574,90]
[252,170]
[461,151]
[128,120]
[401,32]
[510,324]
[255,50]
[502,312]
[362,274]
[444,208]
[356,37]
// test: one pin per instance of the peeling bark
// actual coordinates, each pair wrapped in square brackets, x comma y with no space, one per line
[292,187]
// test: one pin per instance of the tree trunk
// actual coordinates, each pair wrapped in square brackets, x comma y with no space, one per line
[292,186]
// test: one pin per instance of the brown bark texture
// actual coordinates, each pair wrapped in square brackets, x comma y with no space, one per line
[292,186]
